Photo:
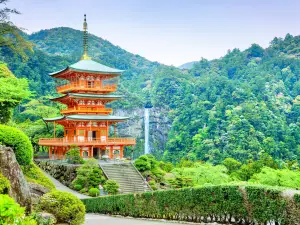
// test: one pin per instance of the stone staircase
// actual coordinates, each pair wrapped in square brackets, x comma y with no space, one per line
[127,176]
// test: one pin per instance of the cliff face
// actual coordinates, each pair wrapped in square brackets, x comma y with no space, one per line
[158,128]
[10,168]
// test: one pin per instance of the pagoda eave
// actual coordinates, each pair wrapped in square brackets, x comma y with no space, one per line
[87,118]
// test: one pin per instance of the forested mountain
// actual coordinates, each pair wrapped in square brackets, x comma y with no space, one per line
[239,106]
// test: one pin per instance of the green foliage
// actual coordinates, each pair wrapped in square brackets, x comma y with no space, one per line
[168,167]
[12,92]
[202,174]
[222,204]
[181,182]
[4,184]
[272,177]
[149,166]
[66,207]
[267,204]
[231,164]
[35,175]
[89,175]
[73,155]
[12,137]
[111,187]
[12,213]
[77,187]
[94,192]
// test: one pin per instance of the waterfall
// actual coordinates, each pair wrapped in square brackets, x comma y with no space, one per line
[146,120]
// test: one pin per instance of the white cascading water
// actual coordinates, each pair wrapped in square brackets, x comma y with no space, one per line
[146,120]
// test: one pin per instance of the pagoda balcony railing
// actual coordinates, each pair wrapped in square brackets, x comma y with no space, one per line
[84,88]
[85,141]
[87,110]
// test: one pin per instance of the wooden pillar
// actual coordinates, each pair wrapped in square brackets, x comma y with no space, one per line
[107,129]
[50,152]
[111,152]
[115,130]
[54,129]
[92,151]
[121,152]
[80,152]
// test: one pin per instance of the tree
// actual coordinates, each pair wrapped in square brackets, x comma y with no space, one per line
[10,35]
[12,92]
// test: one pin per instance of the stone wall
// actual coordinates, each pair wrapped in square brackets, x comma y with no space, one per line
[64,173]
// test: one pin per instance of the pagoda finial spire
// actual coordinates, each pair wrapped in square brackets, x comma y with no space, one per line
[85,40]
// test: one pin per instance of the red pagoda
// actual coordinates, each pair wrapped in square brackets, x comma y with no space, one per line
[86,120]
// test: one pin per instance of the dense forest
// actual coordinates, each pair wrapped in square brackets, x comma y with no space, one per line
[242,105]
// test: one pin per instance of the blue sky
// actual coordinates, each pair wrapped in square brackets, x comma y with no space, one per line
[169,31]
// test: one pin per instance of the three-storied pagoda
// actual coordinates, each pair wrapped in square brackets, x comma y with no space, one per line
[86,120]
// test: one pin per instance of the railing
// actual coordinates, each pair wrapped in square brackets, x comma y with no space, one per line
[85,141]
[85,110]
[77,87]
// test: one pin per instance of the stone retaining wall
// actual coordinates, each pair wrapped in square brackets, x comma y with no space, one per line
[64,173]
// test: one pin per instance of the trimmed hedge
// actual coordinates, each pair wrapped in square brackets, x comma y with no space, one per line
[66,207]
[12,137]
[222,203]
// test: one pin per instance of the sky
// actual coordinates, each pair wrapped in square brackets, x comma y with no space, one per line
[172,32]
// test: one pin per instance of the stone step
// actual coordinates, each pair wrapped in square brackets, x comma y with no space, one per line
[126,176]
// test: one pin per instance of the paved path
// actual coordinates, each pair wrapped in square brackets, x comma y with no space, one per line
[96,219]
[59,186]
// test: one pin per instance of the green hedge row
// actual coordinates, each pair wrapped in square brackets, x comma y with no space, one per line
[222,203]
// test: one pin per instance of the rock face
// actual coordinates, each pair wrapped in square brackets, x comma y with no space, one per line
[158,128]
[36,191]
[10,168]
[65,173]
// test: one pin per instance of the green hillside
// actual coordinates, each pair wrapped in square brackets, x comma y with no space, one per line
[239,106]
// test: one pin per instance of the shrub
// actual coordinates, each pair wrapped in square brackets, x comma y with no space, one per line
[153,184]
[142,163]
[214,203]
[285,178]
[94,192]
[89,175]
[12,137]
[111,187]
[77,187]
[73,155]
[12,213]
[34,174]
[168,167]
[66,207]
[4,185]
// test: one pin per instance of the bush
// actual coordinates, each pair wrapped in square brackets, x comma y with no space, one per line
[34,174]
[12,213]
[272,177]
[12,137]
[94,192]
[111,187]
[4,185]
[89,175]
[214,203]
[73,155]
[66,207]
[77,187]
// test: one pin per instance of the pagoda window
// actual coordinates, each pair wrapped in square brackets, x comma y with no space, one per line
[90,84]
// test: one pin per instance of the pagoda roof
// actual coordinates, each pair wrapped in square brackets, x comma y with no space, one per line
[88,66]
[87,117]
[95,96]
